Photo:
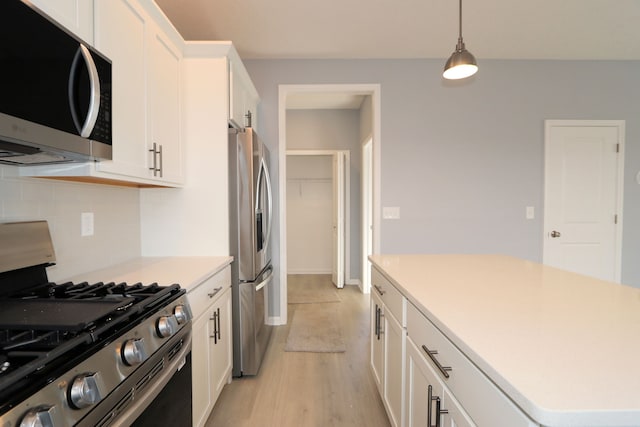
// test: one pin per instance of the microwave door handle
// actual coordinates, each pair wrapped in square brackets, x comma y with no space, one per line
[94,95]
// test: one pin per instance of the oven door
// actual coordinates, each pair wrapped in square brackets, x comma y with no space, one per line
[172,406]
[157,393]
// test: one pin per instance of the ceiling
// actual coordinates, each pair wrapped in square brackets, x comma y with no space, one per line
[505,29]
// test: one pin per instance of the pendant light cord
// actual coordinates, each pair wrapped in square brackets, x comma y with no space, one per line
[460,22]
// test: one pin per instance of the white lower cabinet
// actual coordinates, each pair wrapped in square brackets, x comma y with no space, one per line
[467,394]
[387,345]
[211,348]
[422,377]
[377,341]
[428,401]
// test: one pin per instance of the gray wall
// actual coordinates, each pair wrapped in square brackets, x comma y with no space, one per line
[333,130]
[463,159]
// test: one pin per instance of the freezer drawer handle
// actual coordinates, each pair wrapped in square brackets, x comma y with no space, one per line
[431,353]
[215,292]
[265,281]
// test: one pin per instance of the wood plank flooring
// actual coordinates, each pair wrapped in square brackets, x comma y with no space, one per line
[309,389]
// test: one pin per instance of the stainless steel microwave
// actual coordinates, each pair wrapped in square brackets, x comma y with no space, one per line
[55,91]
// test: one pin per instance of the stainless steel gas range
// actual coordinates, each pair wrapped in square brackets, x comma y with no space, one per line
[80,354]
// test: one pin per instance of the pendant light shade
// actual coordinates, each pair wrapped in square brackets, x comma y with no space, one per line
[461,63]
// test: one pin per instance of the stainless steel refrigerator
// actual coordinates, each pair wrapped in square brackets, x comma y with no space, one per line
[250,219]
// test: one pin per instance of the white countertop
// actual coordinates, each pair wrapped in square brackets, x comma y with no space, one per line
[564,347]
[188,272]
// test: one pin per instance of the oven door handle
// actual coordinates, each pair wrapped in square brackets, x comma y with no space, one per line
[266,280]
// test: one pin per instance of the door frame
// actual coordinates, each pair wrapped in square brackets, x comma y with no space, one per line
[285,91]
[620,125]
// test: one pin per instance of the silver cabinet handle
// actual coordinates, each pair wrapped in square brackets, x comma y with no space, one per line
[379,289]
[157,154]
[215,292]
[378,321]
[431,398]
[216,326]
[554,234]
[431,353]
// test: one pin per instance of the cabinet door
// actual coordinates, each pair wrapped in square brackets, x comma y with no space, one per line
[74,15]
[120,33]
[455,416]
[377,340]
[394,344]
[419,378]
[221,344]
[242,95]
[201,365]
[164,106]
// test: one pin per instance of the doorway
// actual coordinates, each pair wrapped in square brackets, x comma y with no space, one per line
[318,213]
[584,161]
[291,97]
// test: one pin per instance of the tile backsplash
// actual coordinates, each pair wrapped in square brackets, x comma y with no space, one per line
[116,212]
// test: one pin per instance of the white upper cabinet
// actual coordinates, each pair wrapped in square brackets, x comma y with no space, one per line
[243,97]
[163,107]
[121,34]
[146,93]
[74,15]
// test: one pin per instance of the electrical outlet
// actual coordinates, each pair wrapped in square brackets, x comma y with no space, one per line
[86,224]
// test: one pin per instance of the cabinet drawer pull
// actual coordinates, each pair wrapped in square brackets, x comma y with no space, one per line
[379,289]
[431,353]
[215,292]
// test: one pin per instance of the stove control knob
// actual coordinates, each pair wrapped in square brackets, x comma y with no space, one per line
[39,417]
[166,326]
[133,352]
[182,313]
[84,391]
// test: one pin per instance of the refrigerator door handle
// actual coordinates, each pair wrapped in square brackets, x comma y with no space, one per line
[266,280]
[269,201]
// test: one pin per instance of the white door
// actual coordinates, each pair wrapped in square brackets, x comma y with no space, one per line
[337,273]
[583,196]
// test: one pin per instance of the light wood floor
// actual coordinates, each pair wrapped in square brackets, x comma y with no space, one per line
[309,389]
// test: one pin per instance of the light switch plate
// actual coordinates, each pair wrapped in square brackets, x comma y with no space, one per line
[530,212]
[391,212]
[86,224]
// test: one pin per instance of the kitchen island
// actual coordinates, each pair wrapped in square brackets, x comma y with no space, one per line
[564,348]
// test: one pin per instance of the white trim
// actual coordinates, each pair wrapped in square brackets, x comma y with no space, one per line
[283,91]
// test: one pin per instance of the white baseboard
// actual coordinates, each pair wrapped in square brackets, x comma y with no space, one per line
[275,321]
[309,272]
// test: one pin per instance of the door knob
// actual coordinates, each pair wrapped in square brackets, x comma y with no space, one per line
[555,234]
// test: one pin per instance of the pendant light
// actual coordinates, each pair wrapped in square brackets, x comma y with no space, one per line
[461,63]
